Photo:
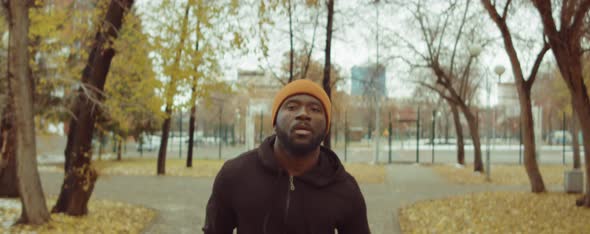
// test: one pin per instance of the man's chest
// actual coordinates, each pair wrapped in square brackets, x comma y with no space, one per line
[274,203]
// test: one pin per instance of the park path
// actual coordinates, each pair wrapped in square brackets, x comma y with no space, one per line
[180,201]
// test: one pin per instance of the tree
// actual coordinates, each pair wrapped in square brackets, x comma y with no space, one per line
[297,25]
[523,87]
[212,23]
[59,31]
[566,45]
[8,186]
[8,182]
[443,32]
[327,64]
[34,208]
[131,113]
[80,176]
[173,70]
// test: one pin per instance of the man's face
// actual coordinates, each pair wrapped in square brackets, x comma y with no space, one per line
[301,124]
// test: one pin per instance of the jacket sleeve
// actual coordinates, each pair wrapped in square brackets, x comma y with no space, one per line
[221,216]
[356,221]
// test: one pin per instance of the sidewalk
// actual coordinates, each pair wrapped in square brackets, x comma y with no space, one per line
[181,201]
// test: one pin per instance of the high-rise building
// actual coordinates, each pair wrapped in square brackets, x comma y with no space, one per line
[365,80]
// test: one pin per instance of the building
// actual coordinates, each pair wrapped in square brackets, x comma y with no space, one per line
[365,79]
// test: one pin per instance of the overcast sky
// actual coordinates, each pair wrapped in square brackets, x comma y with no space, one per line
[354,42]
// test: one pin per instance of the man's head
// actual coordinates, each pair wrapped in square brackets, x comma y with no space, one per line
[301,116]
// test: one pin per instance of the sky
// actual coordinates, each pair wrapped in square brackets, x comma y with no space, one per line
[354,43]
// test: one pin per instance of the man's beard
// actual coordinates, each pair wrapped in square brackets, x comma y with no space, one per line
[298,149]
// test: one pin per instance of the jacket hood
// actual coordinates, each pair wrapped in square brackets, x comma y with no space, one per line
[328,169]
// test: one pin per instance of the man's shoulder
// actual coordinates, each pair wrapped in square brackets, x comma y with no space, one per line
[243,161]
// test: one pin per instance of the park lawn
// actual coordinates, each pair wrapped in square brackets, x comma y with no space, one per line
[497,212]
[501,174]
[363,173]
[103,217]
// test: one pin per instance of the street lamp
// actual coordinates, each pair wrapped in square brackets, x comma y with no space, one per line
[499,70]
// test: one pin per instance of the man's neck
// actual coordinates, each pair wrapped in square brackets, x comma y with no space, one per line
[295,164]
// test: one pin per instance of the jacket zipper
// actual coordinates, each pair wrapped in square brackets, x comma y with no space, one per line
[291,188]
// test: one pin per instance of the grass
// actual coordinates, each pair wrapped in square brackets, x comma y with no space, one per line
[103,217]
[500,174]
[497,212]
[363,173]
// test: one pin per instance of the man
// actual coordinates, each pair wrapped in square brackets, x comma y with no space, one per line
[289,184]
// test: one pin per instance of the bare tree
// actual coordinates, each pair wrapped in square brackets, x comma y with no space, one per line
[80,176]
[20,83]
[523,87]
[567,48]
[452,80]
[328,64]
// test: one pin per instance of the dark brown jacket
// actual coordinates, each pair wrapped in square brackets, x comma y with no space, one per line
[253,194]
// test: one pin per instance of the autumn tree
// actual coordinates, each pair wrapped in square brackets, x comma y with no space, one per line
[131,113]
[59,31]
[565,41]
[445,28]
[217,33]
[523,86]
[80,176]
[20,84]
[328,64]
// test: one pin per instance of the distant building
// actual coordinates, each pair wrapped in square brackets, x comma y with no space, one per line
[365,79]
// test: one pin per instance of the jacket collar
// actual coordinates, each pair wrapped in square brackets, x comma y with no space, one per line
[328,170]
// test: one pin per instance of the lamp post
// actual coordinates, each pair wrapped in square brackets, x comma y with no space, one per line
[499,70]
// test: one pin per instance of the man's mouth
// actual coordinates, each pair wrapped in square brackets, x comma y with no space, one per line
[302,130]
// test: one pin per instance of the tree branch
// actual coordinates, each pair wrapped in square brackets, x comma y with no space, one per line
[459,33]
[439,92]
[579,19]
[529,83]
[505,11]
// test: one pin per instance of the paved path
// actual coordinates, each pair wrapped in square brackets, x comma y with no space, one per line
[180,201]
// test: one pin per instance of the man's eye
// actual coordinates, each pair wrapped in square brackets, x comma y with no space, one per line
[291,107]
[316,109]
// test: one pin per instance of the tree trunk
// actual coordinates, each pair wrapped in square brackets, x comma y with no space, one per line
[161,170]
[459,133]
[582,107]
[119,143]
[80,175]
[8,183]
[575,141]
[473,123]
[328,65]
[34,209]
[161,167]
[191,121]
[528,132]
[191,133]
[291,51]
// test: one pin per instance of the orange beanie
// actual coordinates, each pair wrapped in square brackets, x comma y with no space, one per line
[302,86]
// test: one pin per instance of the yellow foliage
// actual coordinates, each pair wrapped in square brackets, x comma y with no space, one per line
[500,174]
[496,212]
[103,217]
[363,173]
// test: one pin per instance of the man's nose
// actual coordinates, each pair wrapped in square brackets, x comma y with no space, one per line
[302,114]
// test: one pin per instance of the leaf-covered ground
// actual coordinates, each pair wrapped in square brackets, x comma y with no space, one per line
[500,174]
[103,217]
[364,173]
[497,212]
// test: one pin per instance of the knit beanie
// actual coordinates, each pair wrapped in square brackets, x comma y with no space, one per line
[302,86]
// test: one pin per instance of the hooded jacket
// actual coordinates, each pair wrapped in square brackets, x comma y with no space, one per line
[255,195]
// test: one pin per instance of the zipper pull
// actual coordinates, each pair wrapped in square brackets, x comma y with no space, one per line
[292,186]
